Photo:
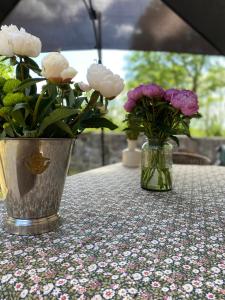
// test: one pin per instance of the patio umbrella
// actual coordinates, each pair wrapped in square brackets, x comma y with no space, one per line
[204,16]
[128,24]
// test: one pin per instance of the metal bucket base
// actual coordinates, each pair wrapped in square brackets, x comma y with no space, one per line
[32,226]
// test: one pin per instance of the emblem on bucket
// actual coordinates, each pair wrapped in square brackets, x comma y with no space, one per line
[37,163]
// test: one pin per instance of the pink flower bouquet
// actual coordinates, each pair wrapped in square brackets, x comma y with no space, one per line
[161,115]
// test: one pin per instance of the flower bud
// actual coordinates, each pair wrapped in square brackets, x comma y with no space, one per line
[14,98]
[4,111]
[10,85]
[6,125]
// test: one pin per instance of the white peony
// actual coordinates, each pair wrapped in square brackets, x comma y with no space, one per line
[84,87]
[56,67]
[5,46]
[18,42]
[53,65]
[68,74]
[103,80]
[111,86]
[95,74]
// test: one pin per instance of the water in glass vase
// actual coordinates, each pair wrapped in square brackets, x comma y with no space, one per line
[156,166]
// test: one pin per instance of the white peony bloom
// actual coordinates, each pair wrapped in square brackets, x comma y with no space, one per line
[68,73]
[53,65]
[26,45]
[103,80]
[111,86]
[5,45]
[84,87]
[18,42]
[56,68]
[95,74]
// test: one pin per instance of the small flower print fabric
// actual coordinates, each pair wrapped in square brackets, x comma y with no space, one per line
[118,241]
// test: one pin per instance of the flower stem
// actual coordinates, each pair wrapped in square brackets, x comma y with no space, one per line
[156,175]
[37,107]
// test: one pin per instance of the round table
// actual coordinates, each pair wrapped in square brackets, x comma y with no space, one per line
[118,241]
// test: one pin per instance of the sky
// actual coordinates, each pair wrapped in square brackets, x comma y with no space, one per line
[81,60]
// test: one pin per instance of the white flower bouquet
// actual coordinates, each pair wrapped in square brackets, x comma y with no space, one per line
[63,108]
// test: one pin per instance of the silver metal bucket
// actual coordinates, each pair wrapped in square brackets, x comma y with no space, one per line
[32,177]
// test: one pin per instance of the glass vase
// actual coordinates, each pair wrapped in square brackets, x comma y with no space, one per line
[156,166]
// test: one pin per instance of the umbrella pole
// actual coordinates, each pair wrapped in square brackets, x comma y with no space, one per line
[95,18]
[99,49]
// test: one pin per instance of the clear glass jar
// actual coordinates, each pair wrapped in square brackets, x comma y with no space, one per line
[156,166]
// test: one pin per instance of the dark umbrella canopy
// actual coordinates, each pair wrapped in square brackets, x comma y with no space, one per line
[6,8]
[126,24]
[205,16]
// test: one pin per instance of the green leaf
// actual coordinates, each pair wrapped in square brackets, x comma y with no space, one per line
[197,116]
[32,90]
[71,98]
[78,102]
[28,83]
[98,123]
[93,100]
[20,106]
[159,103]
[3,134]
[52,90]
[57,115]
[64,127]
[9,131]
[30,133]
[22,72]
[18,117]
[175,139]
[31,64]
[45,108]
[4,58]
[24,106]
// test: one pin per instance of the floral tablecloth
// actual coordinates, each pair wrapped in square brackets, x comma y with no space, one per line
[120,242]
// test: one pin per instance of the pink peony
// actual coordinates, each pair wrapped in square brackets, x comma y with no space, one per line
[153,91]
[186,101]
[129,105]
[136,93]
[169,94]
[149,90]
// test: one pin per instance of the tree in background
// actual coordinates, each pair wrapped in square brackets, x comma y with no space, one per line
[203,74]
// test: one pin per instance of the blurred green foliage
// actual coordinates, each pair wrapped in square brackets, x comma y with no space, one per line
[6,70]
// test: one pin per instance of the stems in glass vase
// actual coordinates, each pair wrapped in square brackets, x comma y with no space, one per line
[156,166]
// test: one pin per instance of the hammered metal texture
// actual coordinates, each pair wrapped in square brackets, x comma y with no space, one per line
[33,176]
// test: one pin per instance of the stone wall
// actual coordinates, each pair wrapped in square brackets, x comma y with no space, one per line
[87,150]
